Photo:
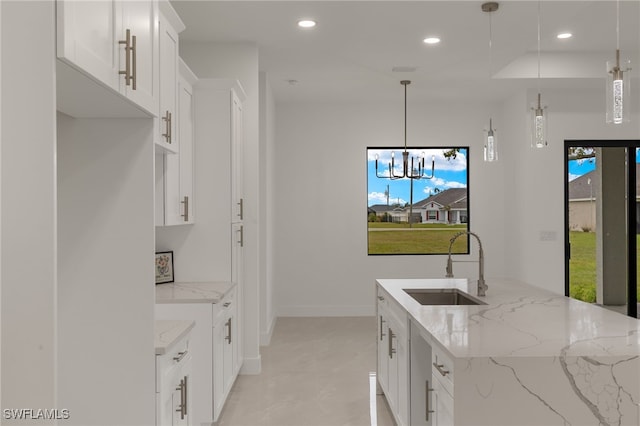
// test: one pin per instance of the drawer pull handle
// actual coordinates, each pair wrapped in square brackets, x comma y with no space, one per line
[226,304]
[180,356]
[440,368]
[185,202]
[380,298]
[382,322]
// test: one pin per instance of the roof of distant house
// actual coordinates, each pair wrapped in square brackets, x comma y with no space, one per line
[381,208]
[587,186]
[455,198]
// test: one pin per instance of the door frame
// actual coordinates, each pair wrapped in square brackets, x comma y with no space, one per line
[632,220]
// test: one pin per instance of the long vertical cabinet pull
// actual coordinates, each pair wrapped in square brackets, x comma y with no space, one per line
[391,349]
[241,212]
[134,54]
[186,395]
[182,407]
[228,337]
[241,240]
[426,400]
[382,322]
[185,202]
[130,68]
[167,119]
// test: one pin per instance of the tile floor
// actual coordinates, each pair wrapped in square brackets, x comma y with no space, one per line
[316,372]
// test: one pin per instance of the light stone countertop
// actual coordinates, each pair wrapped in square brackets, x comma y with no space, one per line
[519,320]
[192,292]
[169,332]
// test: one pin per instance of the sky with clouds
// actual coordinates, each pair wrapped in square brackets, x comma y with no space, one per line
[448,174]
[578,168]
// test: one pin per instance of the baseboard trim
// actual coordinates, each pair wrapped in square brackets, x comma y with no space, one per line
[251,365]
[265,337]
[327,311]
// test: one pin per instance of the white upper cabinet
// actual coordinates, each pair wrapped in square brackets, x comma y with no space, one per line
[170,27]
[86,34]
[114,43]
[140,19]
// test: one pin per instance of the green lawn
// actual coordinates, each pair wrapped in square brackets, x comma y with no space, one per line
[434,241]
[458,227]
[582,266]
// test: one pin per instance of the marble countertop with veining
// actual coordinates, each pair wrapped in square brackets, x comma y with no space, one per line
[192,292]
[518,320]
[169,332]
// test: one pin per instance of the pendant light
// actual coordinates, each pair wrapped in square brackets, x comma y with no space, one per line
[417,169]
[490,140]
[618,89]
[539,120]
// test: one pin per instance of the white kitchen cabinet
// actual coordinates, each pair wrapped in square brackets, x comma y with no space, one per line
[237,157]
[214,345]
[393,359]
[421,378]
[115,43]
[175,199]
[173,385]
[170,25]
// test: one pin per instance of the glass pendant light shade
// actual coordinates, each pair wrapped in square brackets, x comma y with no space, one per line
[490,144]
[538,126]
[618,91]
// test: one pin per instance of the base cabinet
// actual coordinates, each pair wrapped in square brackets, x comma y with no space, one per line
[215,351]
[393,360]
[173,386]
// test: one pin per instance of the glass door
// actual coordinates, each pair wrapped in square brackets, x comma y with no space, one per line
[602,223]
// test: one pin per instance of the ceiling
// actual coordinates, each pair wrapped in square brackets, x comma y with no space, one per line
[351,53]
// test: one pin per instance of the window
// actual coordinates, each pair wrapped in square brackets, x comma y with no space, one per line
[417,216]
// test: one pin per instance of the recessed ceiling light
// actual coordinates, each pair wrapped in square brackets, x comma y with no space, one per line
[431,40]
[564,35]
[306,23]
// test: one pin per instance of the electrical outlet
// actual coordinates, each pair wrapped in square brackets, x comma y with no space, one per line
[548,235]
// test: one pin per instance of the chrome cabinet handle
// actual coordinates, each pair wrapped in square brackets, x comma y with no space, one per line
[228,337]
[182,407]
[382,322]
[167,119]
[391,349]
[127,56]
[226,304]
[380,298]
[440,369]
[180,356]
[241,205]
[426,401]
[241,231]
[134,54]
[185,201]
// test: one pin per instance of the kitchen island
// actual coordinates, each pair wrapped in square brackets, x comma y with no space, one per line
[526,357]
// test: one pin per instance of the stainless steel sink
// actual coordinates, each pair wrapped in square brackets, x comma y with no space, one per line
[442,296]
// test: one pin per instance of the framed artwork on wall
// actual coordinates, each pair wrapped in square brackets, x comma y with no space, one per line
[164,267]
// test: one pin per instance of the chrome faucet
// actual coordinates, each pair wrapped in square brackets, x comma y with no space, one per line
[482,286]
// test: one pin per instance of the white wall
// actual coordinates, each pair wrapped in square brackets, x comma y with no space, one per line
[266,216]
[28,205]
[106,294]
[535,178]
[240,61]
[321,266]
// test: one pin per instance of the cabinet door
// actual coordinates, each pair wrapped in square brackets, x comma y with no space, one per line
[403,380]
[168,139]
[392,363]
[383,348]
[443,404]
[186,138]
[141,18]
[237,155]
[227,354]
[87,35]
[218,368]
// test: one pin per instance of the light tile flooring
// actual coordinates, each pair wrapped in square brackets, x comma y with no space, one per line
[315,372]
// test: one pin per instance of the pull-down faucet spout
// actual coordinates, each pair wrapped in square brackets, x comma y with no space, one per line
[482,286]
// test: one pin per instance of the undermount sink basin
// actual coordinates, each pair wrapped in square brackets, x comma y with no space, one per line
[442,296]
